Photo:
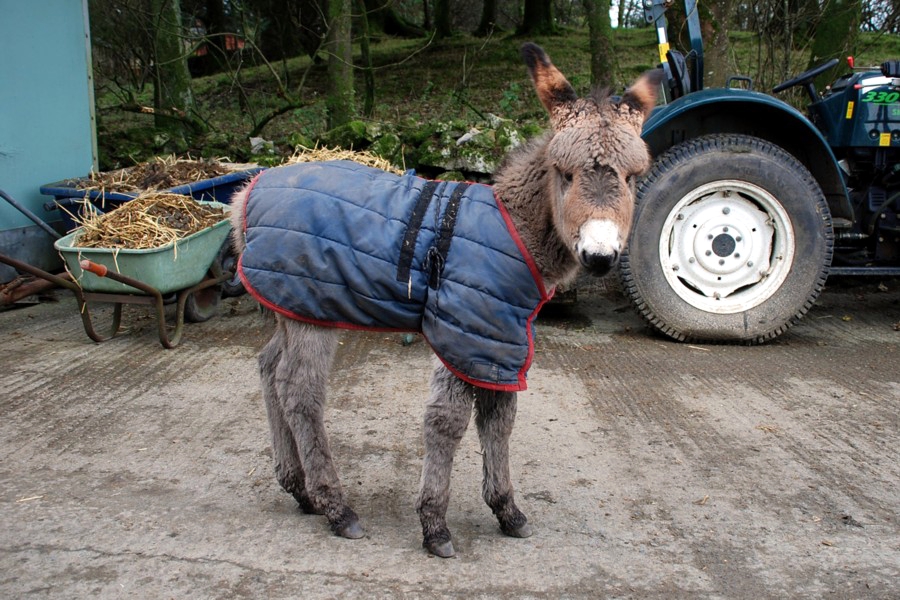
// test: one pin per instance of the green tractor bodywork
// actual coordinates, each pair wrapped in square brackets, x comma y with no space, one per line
[862,112]
[750,204]
[733,110]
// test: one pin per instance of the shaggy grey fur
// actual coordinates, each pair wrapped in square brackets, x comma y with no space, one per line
[578,172]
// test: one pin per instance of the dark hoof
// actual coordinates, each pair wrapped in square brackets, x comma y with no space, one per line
[523,531]
[440,549]
[352,531]
[347,525]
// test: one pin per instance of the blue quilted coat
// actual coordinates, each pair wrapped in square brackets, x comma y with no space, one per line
[344,245]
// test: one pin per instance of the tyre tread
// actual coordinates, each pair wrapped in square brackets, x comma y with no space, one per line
[696,146]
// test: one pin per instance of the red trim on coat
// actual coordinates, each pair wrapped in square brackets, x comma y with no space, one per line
[538,280]
[522,383]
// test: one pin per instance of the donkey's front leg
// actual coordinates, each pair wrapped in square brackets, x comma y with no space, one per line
[300,379]
[495,415]
[446,418]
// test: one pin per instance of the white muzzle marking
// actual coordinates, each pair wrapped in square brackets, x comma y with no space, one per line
[599,238]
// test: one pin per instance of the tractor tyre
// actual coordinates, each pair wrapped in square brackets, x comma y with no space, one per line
[731,242]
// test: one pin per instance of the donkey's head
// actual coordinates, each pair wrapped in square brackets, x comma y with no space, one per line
[594,155]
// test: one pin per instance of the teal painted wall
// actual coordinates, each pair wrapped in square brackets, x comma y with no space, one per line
[47,129]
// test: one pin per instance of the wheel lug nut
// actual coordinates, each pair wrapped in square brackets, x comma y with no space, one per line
[726,210]
[721,261]
[709,252]
[725,229]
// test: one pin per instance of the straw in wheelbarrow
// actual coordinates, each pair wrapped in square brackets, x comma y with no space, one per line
[160,173]
[151,220]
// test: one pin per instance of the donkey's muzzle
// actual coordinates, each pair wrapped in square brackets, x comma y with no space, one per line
[598,246]
[598,264]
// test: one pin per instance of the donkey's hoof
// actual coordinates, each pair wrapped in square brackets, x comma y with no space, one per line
[352,531]
[346,524]
[522,531]
[440,549]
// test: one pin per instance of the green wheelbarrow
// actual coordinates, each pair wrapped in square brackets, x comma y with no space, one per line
[187,271]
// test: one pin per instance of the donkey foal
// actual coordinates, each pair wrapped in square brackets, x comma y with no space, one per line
[467,265]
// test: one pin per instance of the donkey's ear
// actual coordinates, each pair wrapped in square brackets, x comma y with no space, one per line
[553,89]
[641,96]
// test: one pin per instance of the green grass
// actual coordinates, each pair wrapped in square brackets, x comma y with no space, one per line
[417,82]
[462,78]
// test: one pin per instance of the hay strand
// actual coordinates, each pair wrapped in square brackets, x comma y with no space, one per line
[317,154]
[151,220]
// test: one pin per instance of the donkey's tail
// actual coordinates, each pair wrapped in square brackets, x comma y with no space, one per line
[238,201]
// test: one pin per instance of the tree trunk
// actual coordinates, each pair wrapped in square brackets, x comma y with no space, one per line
[368,74]
[281,37]
[426,15]
[215,24]
[600,42]
[172,93]
[835,34]
[488,18]
[340,103]
[537,18]
[715,59]
[382,17]
[213,41]
[442,28]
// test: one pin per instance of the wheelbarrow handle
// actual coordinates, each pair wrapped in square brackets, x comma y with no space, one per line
[98,270]
[103,271]
[37,220]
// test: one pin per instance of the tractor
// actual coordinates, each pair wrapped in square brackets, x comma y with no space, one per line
[750,205]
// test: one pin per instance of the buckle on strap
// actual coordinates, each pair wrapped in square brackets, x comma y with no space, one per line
[437,254]
[412,231]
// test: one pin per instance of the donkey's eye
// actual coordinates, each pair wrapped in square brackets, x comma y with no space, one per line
[565,177]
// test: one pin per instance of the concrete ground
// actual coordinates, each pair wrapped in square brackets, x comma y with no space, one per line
[648,468]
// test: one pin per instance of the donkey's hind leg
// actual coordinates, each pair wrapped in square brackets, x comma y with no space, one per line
[447,415]
[495,415]
[288,469]
[301,377]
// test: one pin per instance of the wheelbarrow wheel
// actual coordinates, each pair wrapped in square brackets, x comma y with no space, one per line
[227,261]
[203,304]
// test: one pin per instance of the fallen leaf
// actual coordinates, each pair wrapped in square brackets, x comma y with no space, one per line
[768,428]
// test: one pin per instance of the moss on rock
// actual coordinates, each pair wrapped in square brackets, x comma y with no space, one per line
[350,135]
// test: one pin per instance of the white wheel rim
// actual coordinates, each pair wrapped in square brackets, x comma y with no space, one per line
[727,246]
